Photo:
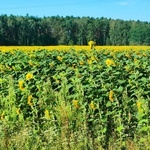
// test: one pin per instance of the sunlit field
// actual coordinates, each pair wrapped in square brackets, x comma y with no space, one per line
[75,97]
[63,47]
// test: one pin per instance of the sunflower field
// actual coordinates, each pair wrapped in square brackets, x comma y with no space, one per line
[75,97]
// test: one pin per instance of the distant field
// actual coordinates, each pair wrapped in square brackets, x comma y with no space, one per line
[31,48]
[74,97]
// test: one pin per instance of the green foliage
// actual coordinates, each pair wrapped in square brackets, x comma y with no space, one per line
[79,100]
[56,30]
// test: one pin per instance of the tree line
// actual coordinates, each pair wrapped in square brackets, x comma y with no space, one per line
[69,30]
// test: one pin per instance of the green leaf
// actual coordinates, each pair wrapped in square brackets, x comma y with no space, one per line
[120,89]
[108,104]
[121,81]
[120,128]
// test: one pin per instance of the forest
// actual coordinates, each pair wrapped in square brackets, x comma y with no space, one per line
[57,30]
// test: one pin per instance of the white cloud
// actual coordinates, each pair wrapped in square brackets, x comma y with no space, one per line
[128,2]
[123,3]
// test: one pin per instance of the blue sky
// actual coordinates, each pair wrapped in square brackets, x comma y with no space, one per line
[115,9]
